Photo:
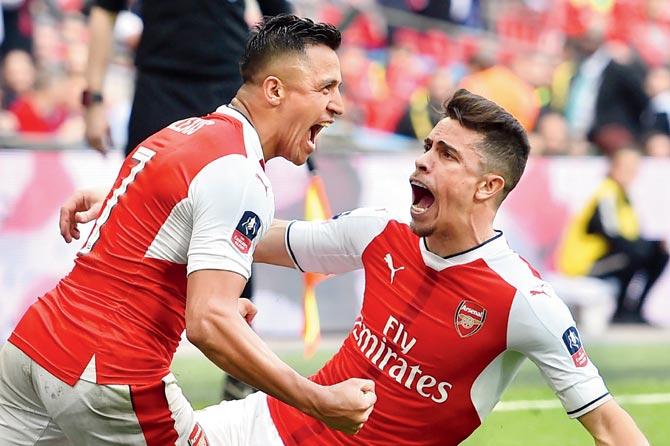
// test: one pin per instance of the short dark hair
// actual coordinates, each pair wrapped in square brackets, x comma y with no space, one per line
[283,34]
[504,141]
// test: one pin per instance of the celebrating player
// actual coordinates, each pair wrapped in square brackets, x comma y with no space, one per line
[171,250]
[449,310]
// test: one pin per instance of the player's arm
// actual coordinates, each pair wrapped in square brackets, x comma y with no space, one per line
[331,247]
[215,326]
[610,425]
[542,328]
[229,214]
[101,28]
[272,247]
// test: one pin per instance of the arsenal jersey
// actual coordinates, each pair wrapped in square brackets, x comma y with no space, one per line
[192,196]
[441,337]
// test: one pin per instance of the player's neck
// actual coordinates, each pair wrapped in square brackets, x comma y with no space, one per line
[244,104]
[457,240]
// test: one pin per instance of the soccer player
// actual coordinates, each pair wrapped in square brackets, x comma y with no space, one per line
[449,310]
[88,364]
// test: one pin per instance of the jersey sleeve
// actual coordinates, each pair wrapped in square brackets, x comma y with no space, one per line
[541,327]
[230,212]
[334,246]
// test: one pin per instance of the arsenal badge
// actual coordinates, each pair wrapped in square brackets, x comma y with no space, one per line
[469,318]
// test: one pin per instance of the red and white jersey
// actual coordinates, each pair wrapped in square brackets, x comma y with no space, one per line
[441,337]
[192,196]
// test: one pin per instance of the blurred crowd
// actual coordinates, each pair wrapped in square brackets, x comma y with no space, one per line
[585,77]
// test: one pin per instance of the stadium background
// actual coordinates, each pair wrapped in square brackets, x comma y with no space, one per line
[392,51]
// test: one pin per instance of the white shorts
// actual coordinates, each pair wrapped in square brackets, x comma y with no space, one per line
[36,408]
[244,422]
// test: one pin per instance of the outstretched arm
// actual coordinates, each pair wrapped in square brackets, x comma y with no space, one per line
[272,248]
[610,425]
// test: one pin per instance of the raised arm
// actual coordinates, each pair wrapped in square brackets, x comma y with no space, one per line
[610,425]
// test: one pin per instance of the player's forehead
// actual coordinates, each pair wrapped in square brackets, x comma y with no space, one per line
[450,133]
[323,63]
[317,66]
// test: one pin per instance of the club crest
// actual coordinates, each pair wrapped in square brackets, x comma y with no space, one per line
[469,318]
[197,437]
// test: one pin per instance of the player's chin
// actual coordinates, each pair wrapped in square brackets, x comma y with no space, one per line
[304,154]
[421,228]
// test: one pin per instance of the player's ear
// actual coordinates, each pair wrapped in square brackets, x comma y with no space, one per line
[273,90]
[490,185]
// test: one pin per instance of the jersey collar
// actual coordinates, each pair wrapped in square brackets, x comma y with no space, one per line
[252,141]
[494,246]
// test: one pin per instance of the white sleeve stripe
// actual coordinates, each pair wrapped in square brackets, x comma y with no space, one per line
[585,406]
[289,249]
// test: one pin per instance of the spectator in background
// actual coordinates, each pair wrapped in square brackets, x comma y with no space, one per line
[620,102]
[552,137]
[591,57]
[18,74]
[503,86]
[41,111]
[423,111]
[604,239]
[657,115]
[187,65]
[461,12]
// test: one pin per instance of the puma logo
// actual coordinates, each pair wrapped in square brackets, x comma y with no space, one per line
[389,263]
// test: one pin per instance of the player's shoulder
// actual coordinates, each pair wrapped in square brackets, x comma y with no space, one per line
[520,274]
[535,300]
[366,219]
[228,174]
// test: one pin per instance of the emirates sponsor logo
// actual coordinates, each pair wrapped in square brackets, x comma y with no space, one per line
[388,350]
[469,318]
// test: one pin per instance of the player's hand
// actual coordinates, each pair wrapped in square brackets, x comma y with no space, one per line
[347,405]
[82,207]
[247,309]
[97,131]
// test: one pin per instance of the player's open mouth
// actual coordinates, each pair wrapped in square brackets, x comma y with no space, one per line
[422,198]
[314,131]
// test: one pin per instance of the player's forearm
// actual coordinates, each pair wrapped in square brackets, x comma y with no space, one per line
[228,341]
[610,425]
[272,248]
[101,26]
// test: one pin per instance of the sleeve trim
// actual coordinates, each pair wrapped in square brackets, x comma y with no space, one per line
[572,412]
[289,249]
